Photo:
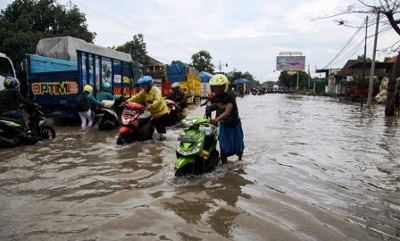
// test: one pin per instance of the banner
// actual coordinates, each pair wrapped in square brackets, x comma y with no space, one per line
[290,62]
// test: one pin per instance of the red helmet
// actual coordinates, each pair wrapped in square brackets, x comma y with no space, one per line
[210,95]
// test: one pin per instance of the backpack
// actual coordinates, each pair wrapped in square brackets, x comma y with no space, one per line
[82,103]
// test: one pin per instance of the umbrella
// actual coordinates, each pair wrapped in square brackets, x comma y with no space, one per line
[241,81]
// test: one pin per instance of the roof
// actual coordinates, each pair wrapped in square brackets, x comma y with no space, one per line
[353,66]
[154,62]
[378,65]
[65,48]
[346,71]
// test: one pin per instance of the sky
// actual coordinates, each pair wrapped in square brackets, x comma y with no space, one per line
[246,35]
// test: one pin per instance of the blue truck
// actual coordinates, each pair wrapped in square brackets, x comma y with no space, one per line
[55,84]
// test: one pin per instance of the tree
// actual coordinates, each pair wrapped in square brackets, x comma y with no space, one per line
[290,80]
[136,48]
[177,62]
[202,61]
[386,59]
[390,9]
[250,78]
[25,22]
[284,79]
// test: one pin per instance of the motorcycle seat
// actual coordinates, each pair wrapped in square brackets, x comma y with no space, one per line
[144,118]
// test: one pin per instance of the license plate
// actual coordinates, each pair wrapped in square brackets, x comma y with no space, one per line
[129,112]
[186,138]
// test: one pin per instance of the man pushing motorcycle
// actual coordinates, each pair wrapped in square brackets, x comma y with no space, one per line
[151,97]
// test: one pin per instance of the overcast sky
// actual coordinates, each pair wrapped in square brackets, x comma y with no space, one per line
[247,35]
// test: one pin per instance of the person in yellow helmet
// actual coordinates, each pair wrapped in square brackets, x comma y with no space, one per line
[84,105]
[151,96]
[227,117]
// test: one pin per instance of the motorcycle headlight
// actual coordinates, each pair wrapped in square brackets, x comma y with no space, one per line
[188,123]
[195,150]
[125,121]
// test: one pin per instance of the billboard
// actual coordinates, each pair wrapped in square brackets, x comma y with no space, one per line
[290,62]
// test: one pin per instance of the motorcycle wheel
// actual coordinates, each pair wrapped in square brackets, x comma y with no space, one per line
[48,132]
[185,170]
[212,161]
[105,125]
[124,138]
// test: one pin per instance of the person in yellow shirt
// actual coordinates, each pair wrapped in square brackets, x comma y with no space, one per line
[152,98]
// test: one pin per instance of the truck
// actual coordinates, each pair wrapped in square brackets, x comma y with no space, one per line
[188,79]
[6,69]
[205,86]
[57,79]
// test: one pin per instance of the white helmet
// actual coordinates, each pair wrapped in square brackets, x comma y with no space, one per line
[175,86]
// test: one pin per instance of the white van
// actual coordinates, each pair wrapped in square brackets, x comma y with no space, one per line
[6,69]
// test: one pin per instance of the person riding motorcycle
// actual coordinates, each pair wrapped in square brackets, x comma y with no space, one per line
[151,97]
[177,95]
[107,98]
[106,93]
[10,100]
[208,104]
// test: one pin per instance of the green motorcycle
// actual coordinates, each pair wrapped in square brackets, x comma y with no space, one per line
[196,150]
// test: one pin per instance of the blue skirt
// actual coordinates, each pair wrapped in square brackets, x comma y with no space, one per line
[231,139]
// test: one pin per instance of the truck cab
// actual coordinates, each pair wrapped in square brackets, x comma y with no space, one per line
[6,69]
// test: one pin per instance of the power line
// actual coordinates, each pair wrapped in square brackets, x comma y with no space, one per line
[344,47]
[116,22]
[346,52]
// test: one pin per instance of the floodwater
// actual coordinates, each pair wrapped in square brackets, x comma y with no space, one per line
[314,168]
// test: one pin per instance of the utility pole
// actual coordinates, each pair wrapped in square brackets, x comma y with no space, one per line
[372,71]
[220,66]
[309,77]
[365,53]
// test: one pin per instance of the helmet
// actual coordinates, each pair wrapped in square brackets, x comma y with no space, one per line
[146,80]
[107,87]
[175,86]
[220,80]
[88,88]
[11,83]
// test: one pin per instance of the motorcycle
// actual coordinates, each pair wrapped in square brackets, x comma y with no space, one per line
[136,124]
[197,147]
[12,131]
[174,112]
[107,116]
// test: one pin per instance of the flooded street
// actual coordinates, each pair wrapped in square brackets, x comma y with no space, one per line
[314,168]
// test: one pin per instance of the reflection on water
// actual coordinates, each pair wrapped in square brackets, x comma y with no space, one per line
[314,168]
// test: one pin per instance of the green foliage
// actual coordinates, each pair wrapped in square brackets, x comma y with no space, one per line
[25,22]
[269,83]
[361,58]
[202,61]
[136,48]
[290,80]
[177,62]
[285,79]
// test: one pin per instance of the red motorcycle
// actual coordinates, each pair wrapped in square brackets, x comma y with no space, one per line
[136,124]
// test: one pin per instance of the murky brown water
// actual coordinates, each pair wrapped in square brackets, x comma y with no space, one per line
[314,168]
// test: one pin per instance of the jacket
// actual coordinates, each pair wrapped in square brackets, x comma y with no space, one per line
[153,100]
[10,100]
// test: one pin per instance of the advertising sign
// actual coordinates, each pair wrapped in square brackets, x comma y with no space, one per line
[290,62]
